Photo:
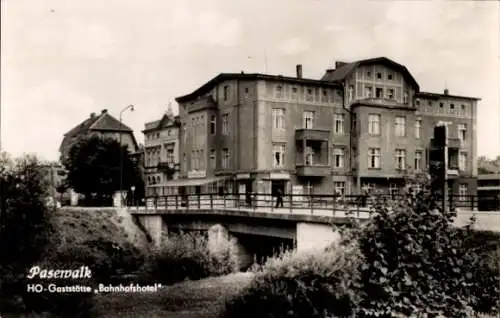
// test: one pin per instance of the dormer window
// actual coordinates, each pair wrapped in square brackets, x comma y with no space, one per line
[389,77]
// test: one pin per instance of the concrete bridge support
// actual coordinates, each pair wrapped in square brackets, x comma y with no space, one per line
[220,239]
[153,224]
[315,236]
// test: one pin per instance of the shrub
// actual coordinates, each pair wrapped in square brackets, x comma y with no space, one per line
[302,285]
[187,256]
[417,263]
[25,225]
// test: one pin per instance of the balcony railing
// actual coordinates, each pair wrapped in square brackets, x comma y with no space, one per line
[312,134]
[317,170]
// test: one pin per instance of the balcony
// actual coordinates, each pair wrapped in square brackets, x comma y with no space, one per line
[312,170]
[167,167]
[452,143]
[312,134]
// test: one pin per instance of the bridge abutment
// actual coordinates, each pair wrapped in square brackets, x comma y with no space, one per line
[315,236]
[153,224]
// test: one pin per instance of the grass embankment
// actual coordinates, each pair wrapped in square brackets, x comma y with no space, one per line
[192,299]
[79,225]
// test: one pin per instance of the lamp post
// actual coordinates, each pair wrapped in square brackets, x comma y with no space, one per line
[131,107]
[132,188]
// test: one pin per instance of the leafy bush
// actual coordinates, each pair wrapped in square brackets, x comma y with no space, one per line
[25,225]
[302,285]
[187,256]
[418,263]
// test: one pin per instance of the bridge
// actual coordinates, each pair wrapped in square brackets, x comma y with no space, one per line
[259,227]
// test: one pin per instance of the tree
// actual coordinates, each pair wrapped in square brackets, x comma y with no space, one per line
[417,262]
[25,223]
[93,166]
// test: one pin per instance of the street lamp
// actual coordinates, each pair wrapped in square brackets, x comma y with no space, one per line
[131,107]
[132,188]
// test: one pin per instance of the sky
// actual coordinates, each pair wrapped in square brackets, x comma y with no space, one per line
[64,59]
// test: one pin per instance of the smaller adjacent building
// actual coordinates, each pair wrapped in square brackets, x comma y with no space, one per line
[103,125]
[161,155]
[53,174]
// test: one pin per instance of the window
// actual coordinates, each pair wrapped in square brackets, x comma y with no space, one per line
[417,102]
[418,128]
[213,159]
[351,92]
[389,76]
[379,92]
[339,124]
[194,160]
[452,107]
[374,124]
[279,91]
[462,161]
[405,97]
[393,189]
[379,75]
[400,127]
[462,109]
[278,155]
[201,159]
[462,192]
[390,93]
[339,188]
[308,118]
[225,124]
[374,158]
[400,159]
[368,91]
[368,74]
[338,158]
[226,157]
[309,156]
[294,92]
[170,156]
[226,92]
[418,160]
[212,124]
[278,119]
[462,132]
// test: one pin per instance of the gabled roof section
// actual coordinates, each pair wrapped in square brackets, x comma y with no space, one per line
[102,122]
[341,73]
[249,77]
[165,121]
[106,122]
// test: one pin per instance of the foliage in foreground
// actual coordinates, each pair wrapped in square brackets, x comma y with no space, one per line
[188,256]
[413,263]
[309,284]
[417,263]
[25,225]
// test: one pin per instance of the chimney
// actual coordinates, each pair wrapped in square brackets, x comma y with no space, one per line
[446,91]
[92,115]
[242,72]
[299,70]
[339,64]
[104,111]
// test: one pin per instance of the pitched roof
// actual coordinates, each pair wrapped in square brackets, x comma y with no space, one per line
[102,122]
[249,77]
[339,74]
[165,121]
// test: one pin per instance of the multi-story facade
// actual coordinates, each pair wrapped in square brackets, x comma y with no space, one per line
[392,126]
[364,124]
[161,155]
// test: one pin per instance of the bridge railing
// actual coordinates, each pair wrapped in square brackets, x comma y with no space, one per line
[318,204]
